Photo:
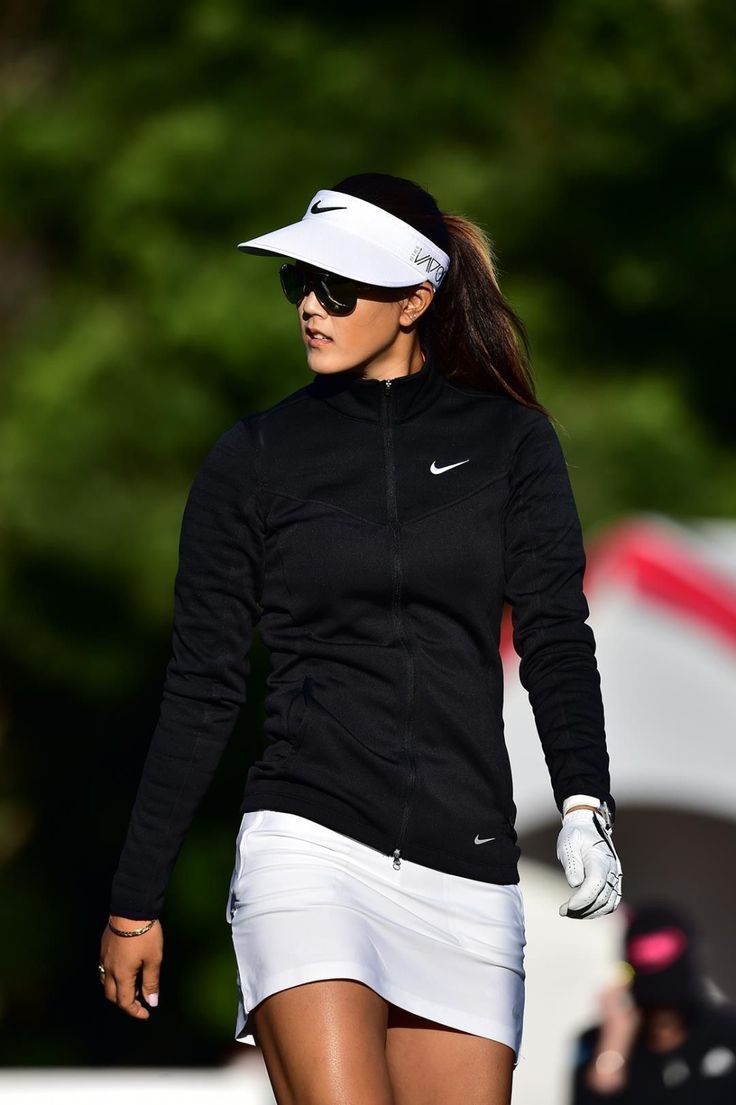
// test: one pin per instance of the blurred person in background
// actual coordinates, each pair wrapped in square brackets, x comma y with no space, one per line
[665,1035]
[373,523]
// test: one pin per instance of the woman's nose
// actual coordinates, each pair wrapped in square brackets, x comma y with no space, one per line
[311,305]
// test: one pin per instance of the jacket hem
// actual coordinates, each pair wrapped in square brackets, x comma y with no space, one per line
[341,819]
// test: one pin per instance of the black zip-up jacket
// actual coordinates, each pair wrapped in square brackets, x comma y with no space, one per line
[373,530]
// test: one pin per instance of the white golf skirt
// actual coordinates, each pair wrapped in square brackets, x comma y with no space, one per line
[308,903]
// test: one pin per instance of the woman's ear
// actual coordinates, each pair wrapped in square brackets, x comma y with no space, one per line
[416,303]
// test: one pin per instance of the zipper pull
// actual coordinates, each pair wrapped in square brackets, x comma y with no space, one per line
[388,384]
[397,859]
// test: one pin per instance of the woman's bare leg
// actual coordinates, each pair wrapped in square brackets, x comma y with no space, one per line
[324,1043]
[431,1064]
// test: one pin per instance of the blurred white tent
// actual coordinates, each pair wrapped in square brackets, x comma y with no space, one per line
[663,609]
[662,600]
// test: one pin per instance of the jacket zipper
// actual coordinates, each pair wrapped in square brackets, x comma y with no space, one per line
[396,609]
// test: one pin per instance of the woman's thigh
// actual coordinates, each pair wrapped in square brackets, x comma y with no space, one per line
[324,1043]
[431,1064]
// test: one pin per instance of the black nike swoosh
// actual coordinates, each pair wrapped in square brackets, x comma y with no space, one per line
[604,838]
[317,210]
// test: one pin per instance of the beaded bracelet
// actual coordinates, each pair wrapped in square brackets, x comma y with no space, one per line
[131,932]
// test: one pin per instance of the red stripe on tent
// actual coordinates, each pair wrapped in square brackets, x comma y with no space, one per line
[642,557]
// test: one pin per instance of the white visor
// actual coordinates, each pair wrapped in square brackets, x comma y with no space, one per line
[351,237]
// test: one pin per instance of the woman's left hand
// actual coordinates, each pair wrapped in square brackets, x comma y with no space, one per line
[131,967]
[591,865]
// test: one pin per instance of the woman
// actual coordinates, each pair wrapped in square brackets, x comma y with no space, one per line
[372,524]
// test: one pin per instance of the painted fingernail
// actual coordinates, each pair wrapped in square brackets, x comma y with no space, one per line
[152,999]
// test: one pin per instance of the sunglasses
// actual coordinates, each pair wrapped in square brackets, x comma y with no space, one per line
[337,294]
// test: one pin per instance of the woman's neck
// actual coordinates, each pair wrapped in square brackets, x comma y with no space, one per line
[401,363]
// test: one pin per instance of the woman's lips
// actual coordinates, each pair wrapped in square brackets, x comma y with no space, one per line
[315,340]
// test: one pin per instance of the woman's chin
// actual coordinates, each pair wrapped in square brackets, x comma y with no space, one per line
[326,361]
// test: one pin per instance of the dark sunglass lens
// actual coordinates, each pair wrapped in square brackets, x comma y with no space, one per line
[293,282]
[340,293]
[337,294]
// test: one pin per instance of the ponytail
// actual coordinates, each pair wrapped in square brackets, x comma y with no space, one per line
[475,335]
[471,328]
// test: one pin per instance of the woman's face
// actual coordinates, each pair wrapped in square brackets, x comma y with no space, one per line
[380,327]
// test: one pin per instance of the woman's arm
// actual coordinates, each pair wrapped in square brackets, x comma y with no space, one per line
[602,1072]
[544,568]
[216,593]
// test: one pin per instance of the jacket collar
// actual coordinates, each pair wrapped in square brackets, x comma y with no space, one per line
[364,398]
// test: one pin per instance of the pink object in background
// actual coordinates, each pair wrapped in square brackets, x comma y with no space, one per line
[654,951]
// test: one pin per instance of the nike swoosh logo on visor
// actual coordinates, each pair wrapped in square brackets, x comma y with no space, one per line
[436,471]
[484,841]
[317,210]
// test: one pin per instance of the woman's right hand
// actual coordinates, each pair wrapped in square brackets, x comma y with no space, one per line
[124,958]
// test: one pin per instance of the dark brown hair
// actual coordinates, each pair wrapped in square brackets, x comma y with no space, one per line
[472,331]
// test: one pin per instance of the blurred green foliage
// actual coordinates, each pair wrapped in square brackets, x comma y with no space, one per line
[594,140]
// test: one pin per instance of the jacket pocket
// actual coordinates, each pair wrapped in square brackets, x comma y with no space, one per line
[288,728]
[299,710]
[333,744]
[329,756]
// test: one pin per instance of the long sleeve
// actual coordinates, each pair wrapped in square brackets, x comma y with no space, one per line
[216,593]
[544,567]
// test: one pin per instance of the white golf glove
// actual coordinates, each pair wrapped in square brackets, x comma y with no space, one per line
[590,862]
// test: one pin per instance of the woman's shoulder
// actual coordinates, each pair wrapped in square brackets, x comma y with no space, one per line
[246,432]
[497,400]
[509,419]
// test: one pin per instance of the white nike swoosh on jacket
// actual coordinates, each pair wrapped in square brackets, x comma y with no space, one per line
[437,471]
